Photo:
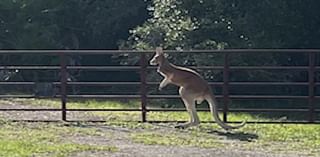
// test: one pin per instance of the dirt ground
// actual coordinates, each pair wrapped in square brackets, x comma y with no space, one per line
[128,148]
[131,149]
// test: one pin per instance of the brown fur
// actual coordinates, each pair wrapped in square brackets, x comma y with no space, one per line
[192,88]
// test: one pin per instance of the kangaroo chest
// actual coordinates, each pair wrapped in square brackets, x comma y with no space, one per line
[165,71]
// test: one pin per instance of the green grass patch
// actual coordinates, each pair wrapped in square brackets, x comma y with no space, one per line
[24,140]
[295,136]
[175,139]
[275,138]
[133,116]
[89,104]
[25,148]
[204,116]
[56,103]
[301,139]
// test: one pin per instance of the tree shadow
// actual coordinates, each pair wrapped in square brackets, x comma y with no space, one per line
[241,136]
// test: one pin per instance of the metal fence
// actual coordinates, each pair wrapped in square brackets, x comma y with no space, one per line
[312,68]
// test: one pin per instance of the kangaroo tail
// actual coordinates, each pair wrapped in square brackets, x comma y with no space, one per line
[213,108]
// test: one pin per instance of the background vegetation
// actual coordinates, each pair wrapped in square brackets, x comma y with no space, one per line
[173,24]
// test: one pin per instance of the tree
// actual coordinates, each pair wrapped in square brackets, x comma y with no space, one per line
[166,26]
[71,24]
[219,24]
[207,24]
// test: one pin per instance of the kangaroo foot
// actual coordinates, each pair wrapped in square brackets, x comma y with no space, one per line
[186,125]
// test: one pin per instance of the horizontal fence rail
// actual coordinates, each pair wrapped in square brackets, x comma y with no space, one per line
[311,69]
[102,52]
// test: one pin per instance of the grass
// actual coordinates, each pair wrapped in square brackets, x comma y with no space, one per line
[272,138]
[176,139]
[298,137]
[25,140]
[302,139]
[90,104]
[132,116]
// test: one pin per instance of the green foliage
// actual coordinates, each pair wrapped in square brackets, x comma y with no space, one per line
[247,24]
[166,26]
[281,24]
[73,24]
[60,24]
[224,24]
[173,24]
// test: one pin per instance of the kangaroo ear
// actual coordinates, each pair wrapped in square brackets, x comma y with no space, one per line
[159,50]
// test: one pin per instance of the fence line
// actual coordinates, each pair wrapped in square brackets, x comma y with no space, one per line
[311,69]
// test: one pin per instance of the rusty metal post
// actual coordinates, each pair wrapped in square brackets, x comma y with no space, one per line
[143,86]
[63,85]
[226,98]
[311,76]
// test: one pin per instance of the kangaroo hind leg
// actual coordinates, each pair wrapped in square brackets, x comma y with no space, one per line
[188,99]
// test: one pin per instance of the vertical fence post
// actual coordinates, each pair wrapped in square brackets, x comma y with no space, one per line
[63,85]
[311,76]
[143,86]
[225,87]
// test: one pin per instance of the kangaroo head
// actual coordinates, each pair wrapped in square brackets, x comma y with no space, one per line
[158,57]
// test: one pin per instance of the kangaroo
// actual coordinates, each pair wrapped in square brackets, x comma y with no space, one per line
[193,88]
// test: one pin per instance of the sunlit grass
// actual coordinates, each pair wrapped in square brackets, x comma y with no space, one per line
[285,137]
[176,139]
[135,115]
[273,138]
[91,104]
[295,138]
[56,103]
[204,116]
[25,140]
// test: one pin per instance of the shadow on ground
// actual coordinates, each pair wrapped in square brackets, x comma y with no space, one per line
[242,136]
[233,135]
